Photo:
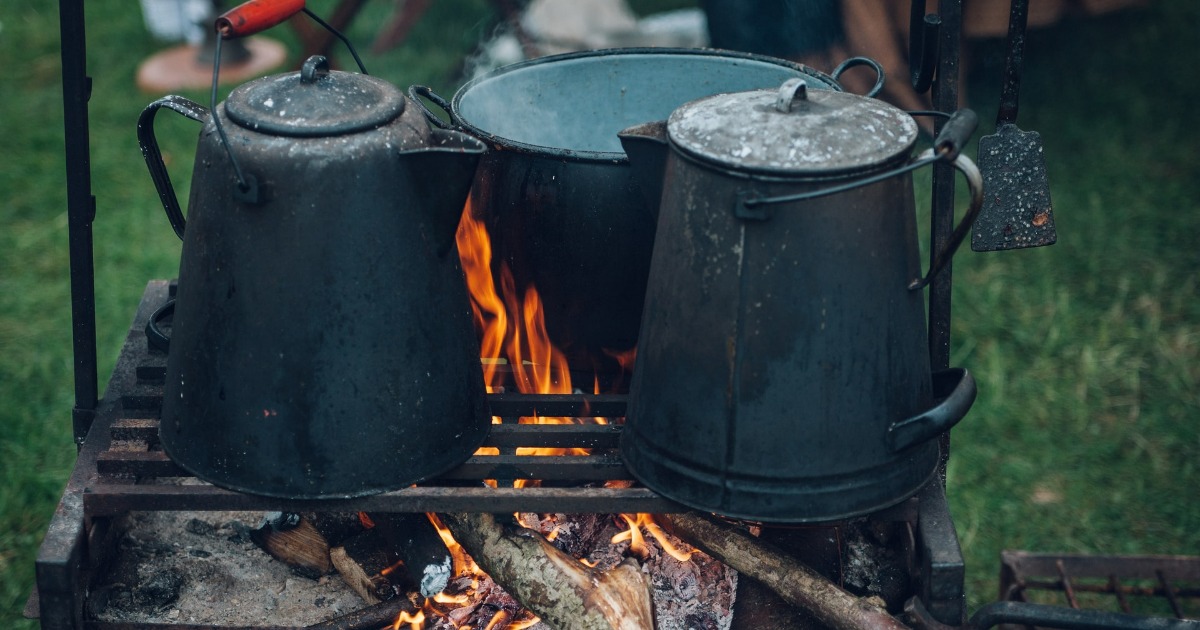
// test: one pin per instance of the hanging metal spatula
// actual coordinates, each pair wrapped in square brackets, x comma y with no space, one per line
[1017,212]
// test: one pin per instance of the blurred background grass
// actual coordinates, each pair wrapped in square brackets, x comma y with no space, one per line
[1084,437]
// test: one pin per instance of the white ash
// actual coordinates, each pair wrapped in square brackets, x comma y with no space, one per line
[202,568]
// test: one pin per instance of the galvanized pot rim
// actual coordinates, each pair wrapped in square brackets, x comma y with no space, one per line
[612,157]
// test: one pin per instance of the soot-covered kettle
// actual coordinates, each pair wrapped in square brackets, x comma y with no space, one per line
[783,372]
[322,343]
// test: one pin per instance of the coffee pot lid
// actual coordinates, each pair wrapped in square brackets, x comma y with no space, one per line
[792,130]
[315,101]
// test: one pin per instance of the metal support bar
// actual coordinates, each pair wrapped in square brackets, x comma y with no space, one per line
[945,98]
[81,211]
[940,558]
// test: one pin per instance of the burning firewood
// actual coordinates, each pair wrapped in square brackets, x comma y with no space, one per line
[376,616]
[791,580]
[399,553]
[363,562]
[563,592]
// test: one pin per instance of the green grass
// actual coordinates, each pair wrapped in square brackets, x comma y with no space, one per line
[1085,435]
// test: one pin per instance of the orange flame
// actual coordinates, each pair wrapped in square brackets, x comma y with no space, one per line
[415,622]
[538,367]
[463,564]
[637,543]
[497,619]
[512,329]
[475,253]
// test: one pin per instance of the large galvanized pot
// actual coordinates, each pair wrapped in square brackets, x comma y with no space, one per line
[322,343]
[556,192]
[783,373]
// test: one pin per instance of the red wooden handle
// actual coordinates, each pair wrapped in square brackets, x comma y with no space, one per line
[256,15]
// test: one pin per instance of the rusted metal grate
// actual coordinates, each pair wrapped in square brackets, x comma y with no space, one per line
[121,468]
[133,473]
[1151,585]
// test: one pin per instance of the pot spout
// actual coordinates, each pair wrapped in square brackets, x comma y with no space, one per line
[647,148]
[443,173]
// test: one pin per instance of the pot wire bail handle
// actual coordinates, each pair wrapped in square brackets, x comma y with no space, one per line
[415,91]
[244,20]
[854,62]
[948,147]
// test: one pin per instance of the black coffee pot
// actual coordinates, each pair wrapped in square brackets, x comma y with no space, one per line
[783,372]
[322,342]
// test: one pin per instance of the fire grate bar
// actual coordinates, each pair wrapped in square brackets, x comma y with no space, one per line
[133,473]
[1165,585]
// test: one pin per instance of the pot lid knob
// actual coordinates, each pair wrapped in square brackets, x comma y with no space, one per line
[793,131]
[315,101]
[791,91]
[314,69]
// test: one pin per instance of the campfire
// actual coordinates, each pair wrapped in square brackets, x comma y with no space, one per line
[516,352]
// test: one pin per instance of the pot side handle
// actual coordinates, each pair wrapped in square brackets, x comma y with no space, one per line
[955,391]
[153,156]
[415,91]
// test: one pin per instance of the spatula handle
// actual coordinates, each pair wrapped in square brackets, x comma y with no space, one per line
[1010,91]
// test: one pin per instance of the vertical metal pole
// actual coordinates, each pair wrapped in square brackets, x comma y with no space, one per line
[945,98]
[942,568]
[81,211]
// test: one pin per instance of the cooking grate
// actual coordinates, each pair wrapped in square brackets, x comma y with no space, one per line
[1144,585]
[121,468]
[133,472]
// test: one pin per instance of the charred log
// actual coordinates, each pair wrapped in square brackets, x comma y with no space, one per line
[552,584]
[371,617]
[791,580]
[410,538]
[365,563]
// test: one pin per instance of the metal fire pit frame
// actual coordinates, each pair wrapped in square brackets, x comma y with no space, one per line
[81,534]
[1173,582]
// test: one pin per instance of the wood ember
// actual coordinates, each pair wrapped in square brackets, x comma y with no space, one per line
[485,601]
[557,587]
[696,594]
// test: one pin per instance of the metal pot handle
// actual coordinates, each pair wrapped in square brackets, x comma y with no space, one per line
[861,61]
[975,183]
[153,156]
[955,391]
[947,147]
[420,90]
[154,333]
